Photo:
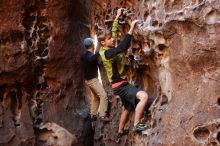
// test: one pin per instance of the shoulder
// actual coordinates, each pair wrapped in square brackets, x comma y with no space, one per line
[102,52]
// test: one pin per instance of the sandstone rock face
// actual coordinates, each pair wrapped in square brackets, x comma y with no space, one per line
[40,79]
[174,57]
[56,135]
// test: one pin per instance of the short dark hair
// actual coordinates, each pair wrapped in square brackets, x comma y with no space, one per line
[87,47]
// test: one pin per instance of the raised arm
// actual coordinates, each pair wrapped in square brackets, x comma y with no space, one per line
[124,45]
[115,23]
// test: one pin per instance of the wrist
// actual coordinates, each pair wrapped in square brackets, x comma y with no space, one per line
[130,32]
[115,20]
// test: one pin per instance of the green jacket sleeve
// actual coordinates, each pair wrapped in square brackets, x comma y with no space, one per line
[115,29]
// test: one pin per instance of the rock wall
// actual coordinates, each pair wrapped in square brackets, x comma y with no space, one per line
[41,87]
[175,57]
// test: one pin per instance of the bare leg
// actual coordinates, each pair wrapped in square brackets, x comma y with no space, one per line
[143,97]
[123,120]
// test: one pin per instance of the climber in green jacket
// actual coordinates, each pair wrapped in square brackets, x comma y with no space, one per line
[114,63]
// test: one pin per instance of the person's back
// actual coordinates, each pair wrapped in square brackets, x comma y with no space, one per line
[99,102]
[90,65]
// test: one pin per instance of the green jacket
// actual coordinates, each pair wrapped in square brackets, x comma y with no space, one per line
[114,58]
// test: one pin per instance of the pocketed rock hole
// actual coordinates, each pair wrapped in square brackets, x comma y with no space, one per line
[161,47]
[212,144]
[218,101]
[201,133]
[155,23]
[212,17]
[218,137]
[164,100]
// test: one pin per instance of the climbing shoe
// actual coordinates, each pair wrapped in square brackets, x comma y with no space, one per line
[106,118]
[139,127]
[119,135]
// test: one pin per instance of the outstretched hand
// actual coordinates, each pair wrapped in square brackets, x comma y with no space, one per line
[119,12]
[133,23]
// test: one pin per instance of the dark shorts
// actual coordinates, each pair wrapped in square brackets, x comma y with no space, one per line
[127,93]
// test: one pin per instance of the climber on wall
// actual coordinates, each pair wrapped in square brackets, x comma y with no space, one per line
[99,102]
[114,63]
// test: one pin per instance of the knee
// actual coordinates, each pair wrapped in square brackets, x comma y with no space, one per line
[144,96]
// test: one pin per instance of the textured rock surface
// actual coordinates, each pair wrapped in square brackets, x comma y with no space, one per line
[56,135]
[175,58]
[40,80]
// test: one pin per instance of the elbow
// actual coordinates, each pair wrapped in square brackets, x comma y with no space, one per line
[108,57]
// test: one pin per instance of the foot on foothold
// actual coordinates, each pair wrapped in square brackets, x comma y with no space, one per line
[139,127]
[106,118]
